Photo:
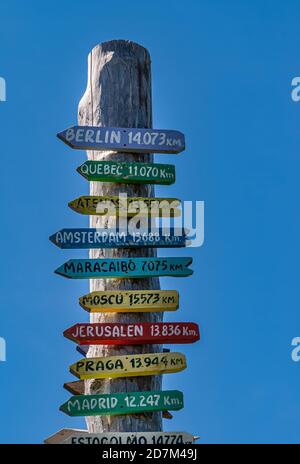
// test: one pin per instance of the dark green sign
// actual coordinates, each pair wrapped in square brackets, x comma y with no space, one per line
[134,173]
[123,403]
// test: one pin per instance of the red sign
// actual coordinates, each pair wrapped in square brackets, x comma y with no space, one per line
[133,334]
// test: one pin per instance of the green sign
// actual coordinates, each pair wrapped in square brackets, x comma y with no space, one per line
[123,403]
[133,173]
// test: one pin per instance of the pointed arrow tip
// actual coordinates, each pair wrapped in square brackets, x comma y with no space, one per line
[60,135]
[71,205]
[63,408]
[66,333]
[84,307]
[53,239]
[59,271]
[83,174]
[72,370]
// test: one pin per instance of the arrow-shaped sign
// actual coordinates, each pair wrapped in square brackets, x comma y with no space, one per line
[128,366]
[114,333]
[83,437]
[108,238]
[133,173]
[126,206]
[130,301]
[75,388]
[123,403]
[78,388]
[127,140]
[125,268]
[83,349]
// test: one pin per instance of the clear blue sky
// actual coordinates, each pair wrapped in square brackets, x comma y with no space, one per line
[221,74]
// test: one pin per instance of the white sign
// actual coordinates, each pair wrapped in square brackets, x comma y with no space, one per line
[82,437]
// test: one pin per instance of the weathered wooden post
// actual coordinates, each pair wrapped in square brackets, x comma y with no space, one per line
[118,94]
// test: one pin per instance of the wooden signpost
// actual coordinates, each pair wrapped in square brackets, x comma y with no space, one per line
[115,127]
[104,238]
[123,403]
[128,366]
[83,437]
[124,268]
[123,301]
[133,173]
[123,140]
[126,207]
[115,333]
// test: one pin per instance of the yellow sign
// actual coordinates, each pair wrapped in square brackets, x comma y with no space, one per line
[130,301]
[128,366]
[126,206]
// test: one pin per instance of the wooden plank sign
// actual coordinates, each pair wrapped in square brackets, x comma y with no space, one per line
[124,301]
[133,140]
[78,388]
[114,333]
[126,207]
[133,173]
[108,238]
[83,437]
[124,268]
[123,403]
[75,388]
[128,366]
[83,350]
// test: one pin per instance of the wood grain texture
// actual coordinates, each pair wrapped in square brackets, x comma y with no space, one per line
[118,94]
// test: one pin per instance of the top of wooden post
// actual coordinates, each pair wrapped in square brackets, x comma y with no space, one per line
[120,46]
[118,92]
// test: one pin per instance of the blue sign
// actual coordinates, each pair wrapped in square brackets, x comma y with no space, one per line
[82,349]
[122,139]
[125,268]
[108,238]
